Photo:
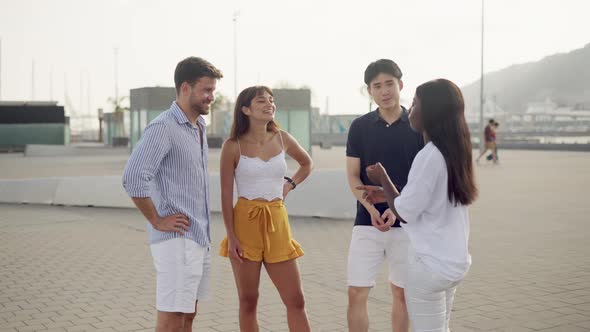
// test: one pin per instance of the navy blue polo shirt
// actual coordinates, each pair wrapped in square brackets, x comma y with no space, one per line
[372,140]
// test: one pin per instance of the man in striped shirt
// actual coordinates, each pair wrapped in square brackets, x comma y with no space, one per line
[166,176]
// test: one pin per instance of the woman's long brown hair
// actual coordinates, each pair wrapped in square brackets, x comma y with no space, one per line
[443,116]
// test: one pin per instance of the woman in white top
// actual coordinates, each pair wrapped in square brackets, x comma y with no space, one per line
[257,226]
[433,204]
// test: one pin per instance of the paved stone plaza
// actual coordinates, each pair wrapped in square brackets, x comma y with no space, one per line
[79,269]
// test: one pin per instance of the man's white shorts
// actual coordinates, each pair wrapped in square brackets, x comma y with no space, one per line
[369,248]
[183,271]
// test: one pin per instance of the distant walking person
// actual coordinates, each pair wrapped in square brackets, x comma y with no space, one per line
[258,230]
[489,142]
[433,205]
[490,157]
[166,176]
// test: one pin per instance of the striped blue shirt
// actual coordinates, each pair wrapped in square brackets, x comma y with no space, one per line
[169,164]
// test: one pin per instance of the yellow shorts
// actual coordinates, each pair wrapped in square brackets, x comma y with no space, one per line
[263,231]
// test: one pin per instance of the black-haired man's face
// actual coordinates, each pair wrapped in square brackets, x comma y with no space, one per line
[384,89]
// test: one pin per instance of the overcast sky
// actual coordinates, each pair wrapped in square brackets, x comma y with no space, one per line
[324,45]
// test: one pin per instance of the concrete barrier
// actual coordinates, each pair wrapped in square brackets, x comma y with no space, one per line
[324,194]
[75,150]
[544,146]
[47,150]
[32,191]
[103,191]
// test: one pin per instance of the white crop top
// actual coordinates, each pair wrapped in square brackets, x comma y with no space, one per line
[256,178]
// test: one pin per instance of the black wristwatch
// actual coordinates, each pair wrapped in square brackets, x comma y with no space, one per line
[291,182]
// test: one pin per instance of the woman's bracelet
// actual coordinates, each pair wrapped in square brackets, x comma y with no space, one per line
[291,182]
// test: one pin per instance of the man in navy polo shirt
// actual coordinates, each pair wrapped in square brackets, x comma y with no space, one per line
[384,136]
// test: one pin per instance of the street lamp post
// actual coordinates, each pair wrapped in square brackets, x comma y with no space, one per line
[116,74]
[0,68]
[33,80]
[235,20]
[481,96]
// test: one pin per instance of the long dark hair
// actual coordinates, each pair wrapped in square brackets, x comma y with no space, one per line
[443,118]
[241,121]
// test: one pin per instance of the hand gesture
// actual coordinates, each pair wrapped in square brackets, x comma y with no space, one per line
[377,221]
[377,173]
[389,217]
[174,223]
[235,250]
[287,187]
[373,194]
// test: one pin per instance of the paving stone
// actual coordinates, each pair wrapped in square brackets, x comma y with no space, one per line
[89,269]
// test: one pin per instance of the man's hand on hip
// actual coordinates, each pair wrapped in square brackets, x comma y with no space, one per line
[174,223]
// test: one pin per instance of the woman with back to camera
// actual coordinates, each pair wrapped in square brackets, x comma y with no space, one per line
[258,227]
[433,205]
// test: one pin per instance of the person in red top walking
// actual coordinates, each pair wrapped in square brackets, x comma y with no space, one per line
[490,157]
[490,141]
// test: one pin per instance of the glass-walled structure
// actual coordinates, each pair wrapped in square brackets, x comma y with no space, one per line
[146,105]
[32,122]
[294,114]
